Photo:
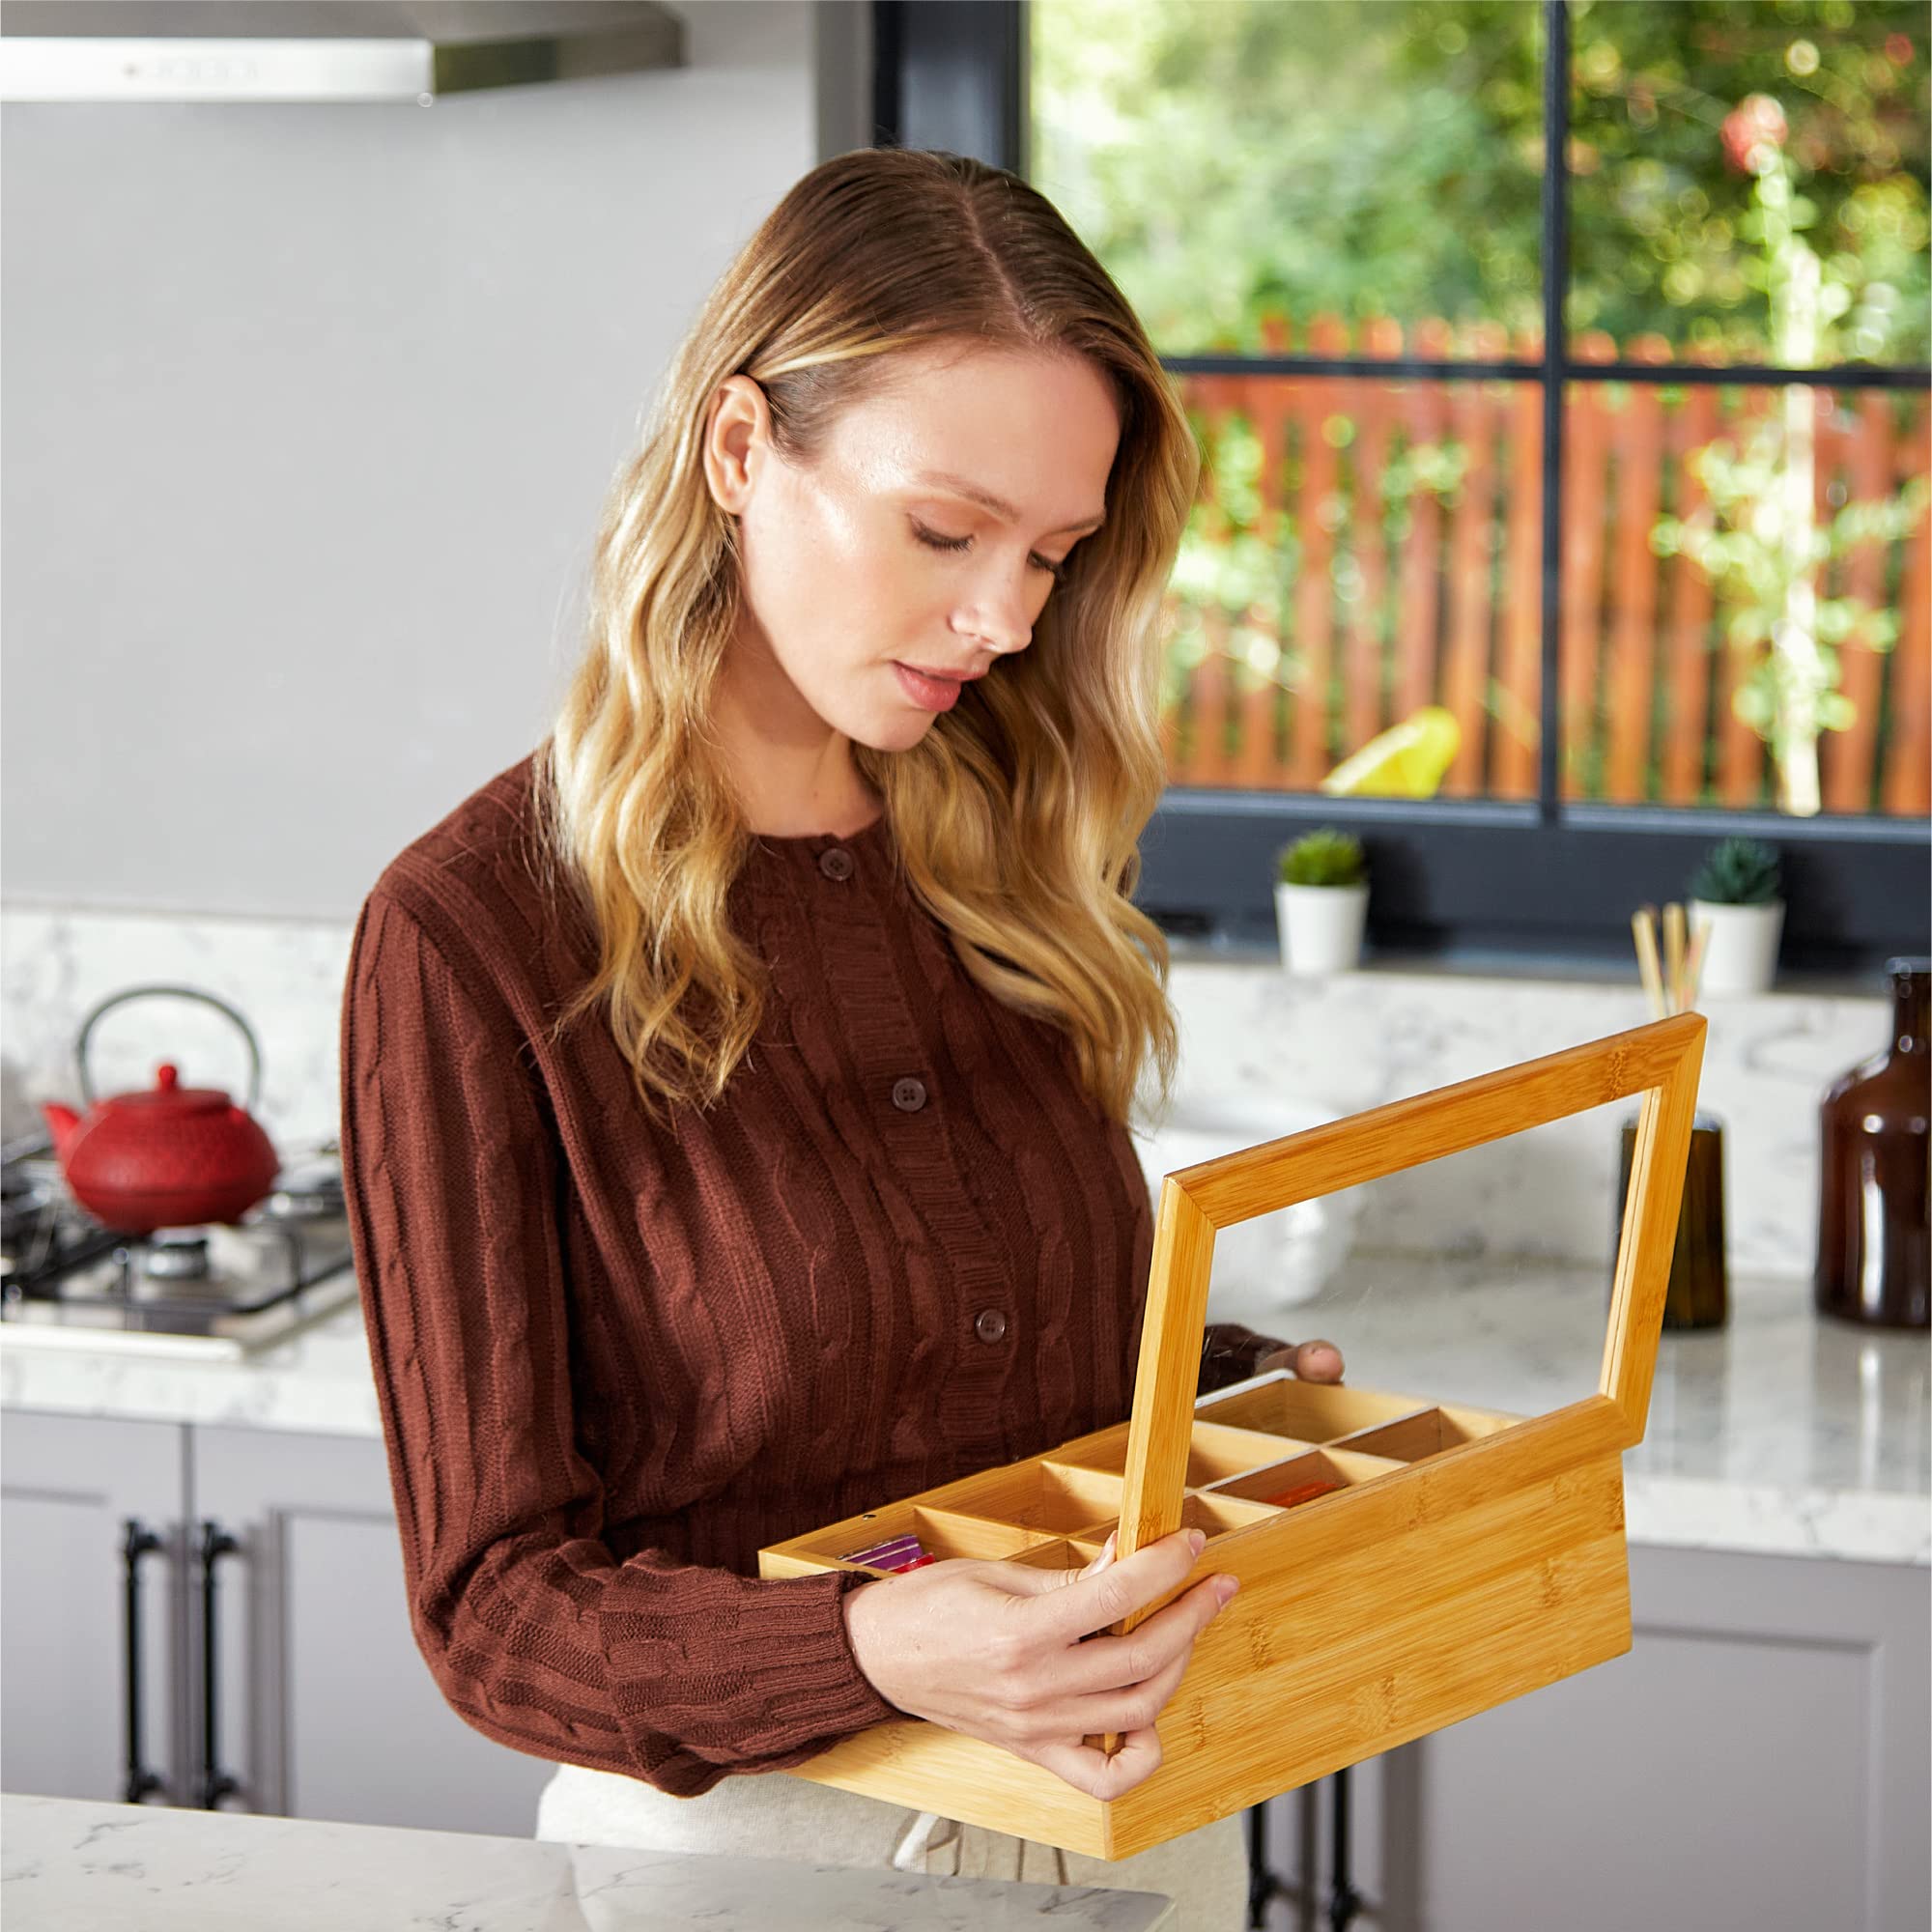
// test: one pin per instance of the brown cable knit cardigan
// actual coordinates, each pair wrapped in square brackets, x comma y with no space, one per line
[612,1361]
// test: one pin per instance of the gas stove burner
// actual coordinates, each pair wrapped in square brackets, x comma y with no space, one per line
[232,1285]
[312,1193]
[176,1254]
[23,1205]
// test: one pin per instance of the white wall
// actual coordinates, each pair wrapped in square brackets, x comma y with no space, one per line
[309,411]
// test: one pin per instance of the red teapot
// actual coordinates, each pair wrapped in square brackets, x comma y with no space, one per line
[171,1156]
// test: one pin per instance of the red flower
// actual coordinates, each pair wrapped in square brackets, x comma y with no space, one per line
[1755,125]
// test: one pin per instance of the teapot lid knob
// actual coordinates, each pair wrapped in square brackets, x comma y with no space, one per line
[167,1076]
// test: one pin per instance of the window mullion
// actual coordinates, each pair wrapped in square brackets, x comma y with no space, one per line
[1555,354]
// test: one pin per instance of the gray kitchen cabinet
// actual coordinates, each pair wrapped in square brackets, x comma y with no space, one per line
[1756,1763]
[72,1662]
[324,1707]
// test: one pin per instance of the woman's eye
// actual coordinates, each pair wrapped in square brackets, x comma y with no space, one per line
[934,541]
[938,542]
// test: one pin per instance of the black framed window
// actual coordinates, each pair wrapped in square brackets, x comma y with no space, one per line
[1482,502]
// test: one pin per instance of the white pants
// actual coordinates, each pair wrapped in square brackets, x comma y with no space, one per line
[774,1815]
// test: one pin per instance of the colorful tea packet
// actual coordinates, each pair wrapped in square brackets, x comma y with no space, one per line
[1302,1493]
[896,1553]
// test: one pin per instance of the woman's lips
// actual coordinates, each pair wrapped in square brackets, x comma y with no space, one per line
[930,693]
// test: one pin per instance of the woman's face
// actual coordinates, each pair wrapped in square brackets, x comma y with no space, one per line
[926,538]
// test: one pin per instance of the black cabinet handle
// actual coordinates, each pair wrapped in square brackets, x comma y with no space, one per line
[215,1784]
[135,1544]
[1265,1883]
[1344,1900]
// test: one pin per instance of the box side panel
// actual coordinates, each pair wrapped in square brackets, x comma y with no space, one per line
[930,1769]
[1542,1650]
[781,1563]
[1305,1674]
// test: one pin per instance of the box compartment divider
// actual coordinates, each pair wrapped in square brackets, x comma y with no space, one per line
[1346,1468]
[1428,1433]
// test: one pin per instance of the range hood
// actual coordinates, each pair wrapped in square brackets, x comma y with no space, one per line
[321,50]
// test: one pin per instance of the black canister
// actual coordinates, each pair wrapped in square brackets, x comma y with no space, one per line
[1698,1295]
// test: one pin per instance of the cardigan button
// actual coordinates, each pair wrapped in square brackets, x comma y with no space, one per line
[837,863]
[908,1094]
[990,1326]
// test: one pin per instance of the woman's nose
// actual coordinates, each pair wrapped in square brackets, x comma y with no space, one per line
[1000,618]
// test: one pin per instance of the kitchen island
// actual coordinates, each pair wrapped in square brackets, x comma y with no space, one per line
[67,1866]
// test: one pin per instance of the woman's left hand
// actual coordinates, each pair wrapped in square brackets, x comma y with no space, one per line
[1311,1361]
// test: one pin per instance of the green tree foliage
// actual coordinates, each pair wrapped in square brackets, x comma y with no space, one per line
[1227,159]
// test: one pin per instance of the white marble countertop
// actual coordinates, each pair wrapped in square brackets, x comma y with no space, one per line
[1783,1433]
[75,1867]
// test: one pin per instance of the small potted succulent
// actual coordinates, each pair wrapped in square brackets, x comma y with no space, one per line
[1321,902]
[1736,894]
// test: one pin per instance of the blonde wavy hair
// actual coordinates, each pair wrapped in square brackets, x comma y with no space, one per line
[1017,816]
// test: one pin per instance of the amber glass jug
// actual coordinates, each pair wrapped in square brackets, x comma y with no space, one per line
[1874,1252]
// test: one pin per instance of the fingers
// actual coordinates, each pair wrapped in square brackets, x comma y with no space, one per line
[1109,1664]
[1102,1685]
[1317,1362]
[1131,1707]
[1309,1361]
[1025,1579]
[1090,1769]
[1074,1604]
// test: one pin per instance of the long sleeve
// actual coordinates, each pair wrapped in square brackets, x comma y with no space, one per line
[535,1633]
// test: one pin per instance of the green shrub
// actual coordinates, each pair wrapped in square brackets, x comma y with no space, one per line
[1324,858]
[1737,872]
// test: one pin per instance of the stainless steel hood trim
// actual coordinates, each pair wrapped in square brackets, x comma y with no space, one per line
[295,50]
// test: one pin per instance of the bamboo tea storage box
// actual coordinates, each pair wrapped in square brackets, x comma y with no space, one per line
[1465,1557]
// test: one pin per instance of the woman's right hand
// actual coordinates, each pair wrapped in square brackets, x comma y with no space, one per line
[994,1650]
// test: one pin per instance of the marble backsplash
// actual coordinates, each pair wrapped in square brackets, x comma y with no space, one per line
[1249,1033]
[1252,1040]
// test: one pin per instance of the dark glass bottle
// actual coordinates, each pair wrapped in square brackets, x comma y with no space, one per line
[1874,1252]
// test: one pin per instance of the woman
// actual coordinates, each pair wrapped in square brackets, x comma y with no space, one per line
[734,1089]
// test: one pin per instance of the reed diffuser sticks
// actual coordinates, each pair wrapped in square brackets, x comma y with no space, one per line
[1671,981]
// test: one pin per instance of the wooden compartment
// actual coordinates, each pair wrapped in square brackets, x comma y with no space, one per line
[1213,1452]
[1213,1515]
[1042,1495]
[1339,1467]
[943,1533]
[1468,1557]
[1428,1433]
[1307,1411]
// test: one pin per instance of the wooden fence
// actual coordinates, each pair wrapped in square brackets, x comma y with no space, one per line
[1382,612]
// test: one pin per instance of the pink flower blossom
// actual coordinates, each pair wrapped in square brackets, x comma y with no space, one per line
[1754,131]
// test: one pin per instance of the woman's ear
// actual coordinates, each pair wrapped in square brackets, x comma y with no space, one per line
[735,432]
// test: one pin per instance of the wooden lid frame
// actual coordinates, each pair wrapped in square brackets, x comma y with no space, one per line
[1661,1061]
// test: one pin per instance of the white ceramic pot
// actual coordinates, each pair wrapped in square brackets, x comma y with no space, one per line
[1740,954]
[1321,926]
[1274,1261]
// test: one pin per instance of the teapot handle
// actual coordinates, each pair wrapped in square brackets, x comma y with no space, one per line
[185,993]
